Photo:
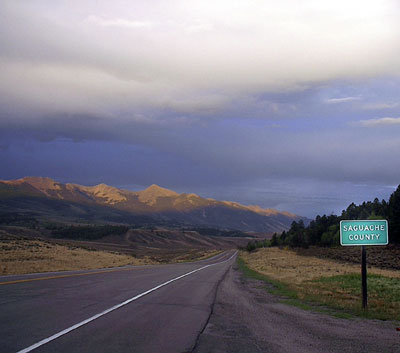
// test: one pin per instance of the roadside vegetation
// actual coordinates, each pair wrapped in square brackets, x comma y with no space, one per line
[307,265]
[323,284]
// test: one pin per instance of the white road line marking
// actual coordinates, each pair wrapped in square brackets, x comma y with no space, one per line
[69,329]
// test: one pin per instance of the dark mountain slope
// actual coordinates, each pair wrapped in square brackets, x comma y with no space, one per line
[48,198]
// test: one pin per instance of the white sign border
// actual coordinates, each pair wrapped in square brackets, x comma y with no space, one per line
[364,220]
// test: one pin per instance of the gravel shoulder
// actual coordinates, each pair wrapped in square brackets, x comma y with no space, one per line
[246,318]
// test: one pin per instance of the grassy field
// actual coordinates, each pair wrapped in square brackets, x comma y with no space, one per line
[29,256]
[318,281]
[24,250]
[23,255]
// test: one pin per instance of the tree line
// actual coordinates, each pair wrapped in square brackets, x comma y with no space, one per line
[88,232]
[215,232]
[324,230]
[18,219]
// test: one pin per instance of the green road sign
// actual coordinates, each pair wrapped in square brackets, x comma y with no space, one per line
[364,233]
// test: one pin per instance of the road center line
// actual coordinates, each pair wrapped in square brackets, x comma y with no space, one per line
[115,307]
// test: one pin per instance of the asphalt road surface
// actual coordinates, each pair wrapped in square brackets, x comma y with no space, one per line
[133,309]
[202,307]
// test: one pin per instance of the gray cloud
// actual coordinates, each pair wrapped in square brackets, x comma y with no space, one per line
[381,106]
[387,121]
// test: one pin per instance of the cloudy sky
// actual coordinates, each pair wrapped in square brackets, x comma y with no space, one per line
[293,104]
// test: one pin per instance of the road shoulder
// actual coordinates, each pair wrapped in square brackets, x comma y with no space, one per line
[246,318]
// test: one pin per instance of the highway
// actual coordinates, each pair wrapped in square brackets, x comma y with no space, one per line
[131,309]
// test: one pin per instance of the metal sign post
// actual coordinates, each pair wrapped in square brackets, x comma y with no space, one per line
[364,277]
[362,233]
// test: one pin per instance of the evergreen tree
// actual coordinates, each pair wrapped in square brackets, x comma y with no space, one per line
[394,216]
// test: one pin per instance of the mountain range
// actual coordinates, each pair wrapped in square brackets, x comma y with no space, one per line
[45,197]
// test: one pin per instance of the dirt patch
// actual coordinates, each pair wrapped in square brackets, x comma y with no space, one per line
[289,267]
[386,257]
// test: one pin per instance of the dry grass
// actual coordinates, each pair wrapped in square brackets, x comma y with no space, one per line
[19,256]
[285,265]
[328,282]
[196,255]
